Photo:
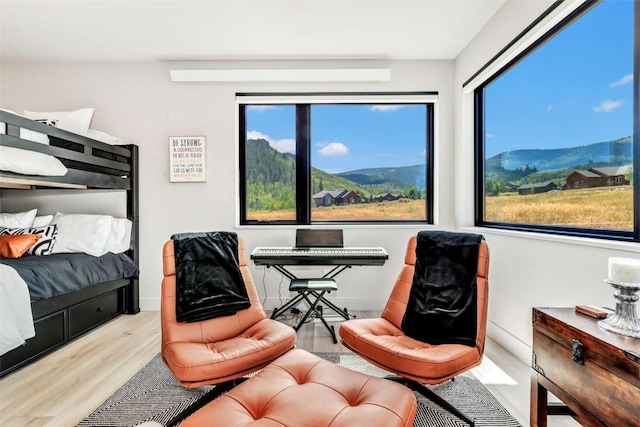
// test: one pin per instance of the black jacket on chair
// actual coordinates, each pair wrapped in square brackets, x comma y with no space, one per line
[442,306]
[208,279]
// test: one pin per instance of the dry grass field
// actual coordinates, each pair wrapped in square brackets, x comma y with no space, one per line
[602,207]
[408,210]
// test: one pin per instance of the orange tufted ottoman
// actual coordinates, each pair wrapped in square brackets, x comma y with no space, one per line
[300,389]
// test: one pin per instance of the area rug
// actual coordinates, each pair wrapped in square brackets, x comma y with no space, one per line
[153,394]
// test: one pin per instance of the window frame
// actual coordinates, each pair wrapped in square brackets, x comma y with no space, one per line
[303,103]
[479,134]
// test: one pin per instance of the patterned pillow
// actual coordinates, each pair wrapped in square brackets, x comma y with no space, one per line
[48,122]
[77,121]
[44,245]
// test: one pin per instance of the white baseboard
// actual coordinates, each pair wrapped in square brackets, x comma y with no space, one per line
[150,304]
[509,342]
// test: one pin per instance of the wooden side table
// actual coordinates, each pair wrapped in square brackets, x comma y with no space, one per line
[595,373]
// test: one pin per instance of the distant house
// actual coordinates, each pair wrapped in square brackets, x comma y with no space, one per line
[336,197]
[511,187]
[538,187]
[350,198]
[388,197]
[598,177]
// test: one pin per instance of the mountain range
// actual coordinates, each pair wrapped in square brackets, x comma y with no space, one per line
[613,153]
[266,165]
[404,176]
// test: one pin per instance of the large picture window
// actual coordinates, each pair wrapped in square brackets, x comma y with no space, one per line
[335,162]
[557,129]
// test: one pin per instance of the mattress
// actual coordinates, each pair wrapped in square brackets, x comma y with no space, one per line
[57,274]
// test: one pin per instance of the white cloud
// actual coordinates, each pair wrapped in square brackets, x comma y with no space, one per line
[489,135]
[254,134]
[623,81]
[282,145]
[334,149]
[261,107]
[607,106]
[386,107]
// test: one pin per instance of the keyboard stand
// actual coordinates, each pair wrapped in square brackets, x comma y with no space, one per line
[337,259]
[300,297]
[343,312]
[315,288]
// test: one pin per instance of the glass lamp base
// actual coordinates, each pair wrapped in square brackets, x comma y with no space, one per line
[625,320]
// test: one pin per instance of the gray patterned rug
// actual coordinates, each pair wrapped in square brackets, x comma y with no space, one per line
[154,395]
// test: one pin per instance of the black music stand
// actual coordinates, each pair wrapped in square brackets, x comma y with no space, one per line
[309,238]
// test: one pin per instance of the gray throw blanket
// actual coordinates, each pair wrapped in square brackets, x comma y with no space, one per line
[208,279]
[442,306]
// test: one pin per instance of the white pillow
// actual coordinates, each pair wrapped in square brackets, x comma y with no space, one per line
[120,236]
[82,233]
[77,121]
[18,220]
[30,162]
[34,136]
[29,134]
[104,137]
[42,221]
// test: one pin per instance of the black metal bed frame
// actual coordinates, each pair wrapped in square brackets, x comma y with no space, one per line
[91,164]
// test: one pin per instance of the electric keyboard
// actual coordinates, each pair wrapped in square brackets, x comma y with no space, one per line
[319,256]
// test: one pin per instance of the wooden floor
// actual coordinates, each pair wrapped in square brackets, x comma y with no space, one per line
[63,388]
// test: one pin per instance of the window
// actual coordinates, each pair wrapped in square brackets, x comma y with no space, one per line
[362,159]
[555,130]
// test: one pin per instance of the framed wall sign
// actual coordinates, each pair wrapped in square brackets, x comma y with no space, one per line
[187,157]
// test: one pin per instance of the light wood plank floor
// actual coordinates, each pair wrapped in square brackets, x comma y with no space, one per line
[66,386]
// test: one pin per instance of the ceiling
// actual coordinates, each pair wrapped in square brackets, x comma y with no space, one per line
[143,30]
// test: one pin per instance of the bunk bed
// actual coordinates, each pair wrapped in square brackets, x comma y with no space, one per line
[90,164]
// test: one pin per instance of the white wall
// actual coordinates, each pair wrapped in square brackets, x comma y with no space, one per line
[527,270]
[138,102]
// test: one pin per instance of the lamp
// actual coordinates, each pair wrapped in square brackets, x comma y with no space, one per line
[624,276]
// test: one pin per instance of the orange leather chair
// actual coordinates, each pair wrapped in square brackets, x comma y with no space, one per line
[221,349]
[382,342]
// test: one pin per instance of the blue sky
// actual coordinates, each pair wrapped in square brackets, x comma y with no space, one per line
[576,90]
[347,137]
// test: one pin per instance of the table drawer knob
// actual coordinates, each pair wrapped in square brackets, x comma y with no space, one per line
[578,352]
